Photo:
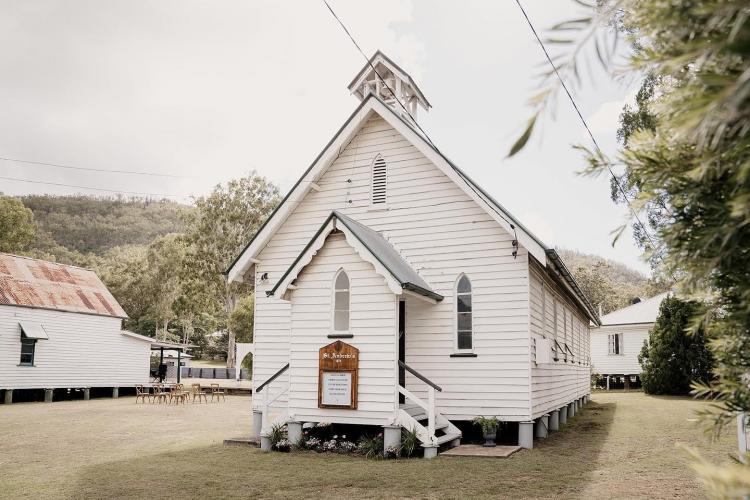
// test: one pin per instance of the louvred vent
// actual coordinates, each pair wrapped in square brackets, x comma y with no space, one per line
[379,180]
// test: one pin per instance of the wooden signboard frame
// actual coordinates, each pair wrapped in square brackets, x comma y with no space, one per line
[338,357]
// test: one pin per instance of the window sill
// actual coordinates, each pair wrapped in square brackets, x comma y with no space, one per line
[377,208]
[26,364]
[340,335]
[463,355]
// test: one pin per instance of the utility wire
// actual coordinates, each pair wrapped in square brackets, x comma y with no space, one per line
[585,125]
[92,188]
[57,165]
[369,62]
[378,74]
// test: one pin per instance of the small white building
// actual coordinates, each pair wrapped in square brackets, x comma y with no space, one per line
[391,290]
[616,344]
[60,328]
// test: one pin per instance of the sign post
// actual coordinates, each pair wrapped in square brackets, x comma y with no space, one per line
[338,370]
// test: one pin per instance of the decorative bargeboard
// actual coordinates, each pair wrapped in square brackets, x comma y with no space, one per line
[338,368]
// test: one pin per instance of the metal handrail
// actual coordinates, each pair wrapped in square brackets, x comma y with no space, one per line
[273,377]
[419,376]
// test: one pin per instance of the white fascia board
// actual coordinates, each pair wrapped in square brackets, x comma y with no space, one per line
[301,190]
[421,144]
[315,246]
[304,260]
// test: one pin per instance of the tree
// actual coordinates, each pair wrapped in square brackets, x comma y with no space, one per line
[609,284]
[17,227]
[218,229]
[694,160]
[673,357]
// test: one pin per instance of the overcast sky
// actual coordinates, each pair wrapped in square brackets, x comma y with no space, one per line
[211,90]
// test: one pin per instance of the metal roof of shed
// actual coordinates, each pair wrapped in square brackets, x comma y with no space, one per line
[28,282]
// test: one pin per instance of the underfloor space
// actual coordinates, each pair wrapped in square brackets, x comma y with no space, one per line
[622,445]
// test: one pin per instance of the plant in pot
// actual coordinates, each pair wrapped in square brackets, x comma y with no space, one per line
[489,427]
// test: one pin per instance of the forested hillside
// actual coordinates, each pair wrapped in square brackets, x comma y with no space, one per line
[607,283]
[92,225]
[163,260]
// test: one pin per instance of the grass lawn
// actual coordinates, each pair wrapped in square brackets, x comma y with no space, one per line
[622,445]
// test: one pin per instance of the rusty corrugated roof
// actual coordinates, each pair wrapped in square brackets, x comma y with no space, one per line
[31,282]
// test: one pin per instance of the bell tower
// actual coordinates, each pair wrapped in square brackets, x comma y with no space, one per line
[396,86]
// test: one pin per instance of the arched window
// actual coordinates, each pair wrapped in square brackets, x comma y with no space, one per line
[341,302]
[379,181]
[464,325]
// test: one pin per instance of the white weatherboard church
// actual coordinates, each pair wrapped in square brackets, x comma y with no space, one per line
[393,291]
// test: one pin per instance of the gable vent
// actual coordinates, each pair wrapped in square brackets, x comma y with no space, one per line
[379,181]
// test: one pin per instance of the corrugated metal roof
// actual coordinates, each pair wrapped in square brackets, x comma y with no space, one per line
[31,282]
[645,311]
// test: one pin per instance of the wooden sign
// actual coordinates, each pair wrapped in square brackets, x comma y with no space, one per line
[338,367]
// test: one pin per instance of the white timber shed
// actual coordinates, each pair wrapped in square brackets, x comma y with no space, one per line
[392,290]
[615,345]
[60,328]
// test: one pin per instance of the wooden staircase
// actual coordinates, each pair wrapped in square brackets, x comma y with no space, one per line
[414,417]
[433,428]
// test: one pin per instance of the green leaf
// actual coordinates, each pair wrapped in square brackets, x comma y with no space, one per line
[521,141]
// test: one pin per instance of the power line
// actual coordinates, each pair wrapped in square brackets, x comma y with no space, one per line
[92,188]
[57,165]
[378,74]
[343,26]
[585,125]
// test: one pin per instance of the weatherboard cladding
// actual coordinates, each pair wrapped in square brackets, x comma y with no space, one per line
[383,251]
[496,206]
[28,282]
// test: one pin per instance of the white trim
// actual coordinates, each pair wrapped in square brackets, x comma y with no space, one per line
[150,340]
[330,154]
[456,349]
[393,284]
[348,290]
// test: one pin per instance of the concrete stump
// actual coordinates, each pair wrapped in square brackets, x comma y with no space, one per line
[8,396]
[540,428]
[554,420]
[526,435]
[86,394]
[571,410]
[391,436]
[115,392]
[265,443]
[294,431]
[257,424]
[430,451]
[563,413]
[47,395]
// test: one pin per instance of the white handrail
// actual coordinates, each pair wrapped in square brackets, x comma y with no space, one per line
[428,407]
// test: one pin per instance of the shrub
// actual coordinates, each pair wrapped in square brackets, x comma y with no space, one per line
[278,433]
[371,447]
[409,442]
[673,358]
[488,424]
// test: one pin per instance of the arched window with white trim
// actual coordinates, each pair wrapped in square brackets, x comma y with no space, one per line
[464,319]
[379,181]
[341,295]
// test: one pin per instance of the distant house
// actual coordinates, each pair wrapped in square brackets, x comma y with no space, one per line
[616,344]
[61,328]
[392,290]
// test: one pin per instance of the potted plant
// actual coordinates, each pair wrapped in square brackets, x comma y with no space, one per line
[489,427]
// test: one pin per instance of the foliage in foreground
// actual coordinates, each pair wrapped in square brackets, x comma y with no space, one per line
[672,357]
[685,165]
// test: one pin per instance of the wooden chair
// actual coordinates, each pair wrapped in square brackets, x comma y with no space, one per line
[197,392]
[142,392]
[159,393]
[178,394]
[217,392]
